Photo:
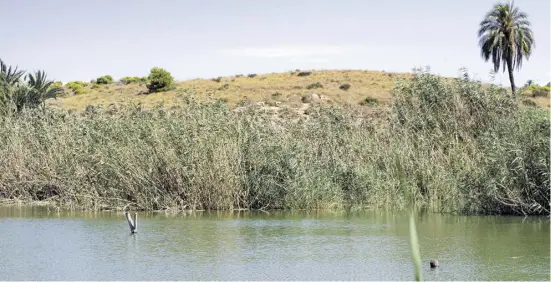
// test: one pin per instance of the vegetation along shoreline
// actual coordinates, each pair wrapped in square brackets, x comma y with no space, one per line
[447,145]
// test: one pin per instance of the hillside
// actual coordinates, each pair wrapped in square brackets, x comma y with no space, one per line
[290,89]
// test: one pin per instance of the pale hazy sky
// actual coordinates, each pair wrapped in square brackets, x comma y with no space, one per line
[83,39]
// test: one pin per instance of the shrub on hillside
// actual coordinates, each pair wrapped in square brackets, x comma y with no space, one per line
[345,87]
[218,79]
[304,73]
[314,86]
[131,80]
[106,79]
[159,80]
[251,75]
[77,87]
[535,90]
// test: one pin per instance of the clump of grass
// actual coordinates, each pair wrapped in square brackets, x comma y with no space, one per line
[224,87]
[344,87]
[314,86]
[370,101]
[276,94]
[244,102]
[529,103]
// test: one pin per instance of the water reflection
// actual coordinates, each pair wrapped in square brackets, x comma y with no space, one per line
[243,245]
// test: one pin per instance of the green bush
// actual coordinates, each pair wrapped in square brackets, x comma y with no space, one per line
[535,90]
[77,87]
[159,80]
[106,79]
[132,80]
[345,87]
[314,86]
[56,84]
[304,73]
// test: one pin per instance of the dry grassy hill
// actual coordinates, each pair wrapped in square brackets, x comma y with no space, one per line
[295,89]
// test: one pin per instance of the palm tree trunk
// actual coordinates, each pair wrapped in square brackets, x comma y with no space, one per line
[511,77]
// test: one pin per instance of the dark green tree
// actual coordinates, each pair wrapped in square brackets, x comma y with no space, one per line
[159,80]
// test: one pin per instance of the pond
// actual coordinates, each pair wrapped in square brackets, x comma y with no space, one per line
[38,244]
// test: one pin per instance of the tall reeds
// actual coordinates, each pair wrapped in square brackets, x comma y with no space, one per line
[447,146]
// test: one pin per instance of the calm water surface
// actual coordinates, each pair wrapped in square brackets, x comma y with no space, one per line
[37,245]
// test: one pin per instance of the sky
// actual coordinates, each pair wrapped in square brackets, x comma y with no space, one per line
[84,39]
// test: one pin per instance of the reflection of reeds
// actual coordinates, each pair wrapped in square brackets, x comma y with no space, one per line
[415,248]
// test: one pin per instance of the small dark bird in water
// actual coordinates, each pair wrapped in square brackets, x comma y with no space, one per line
[434,263]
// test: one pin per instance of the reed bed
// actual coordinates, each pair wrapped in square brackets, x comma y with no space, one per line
[448,146]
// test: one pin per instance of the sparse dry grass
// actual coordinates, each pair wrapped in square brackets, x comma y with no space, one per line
[290,88]
[282,89]
[542,102]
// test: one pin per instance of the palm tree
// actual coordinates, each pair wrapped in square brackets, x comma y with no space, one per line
[10,80]
[505,35]
[35,93]
[8,75]
[30,92]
